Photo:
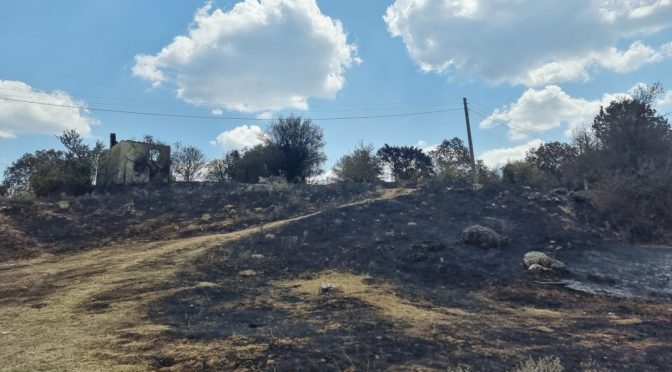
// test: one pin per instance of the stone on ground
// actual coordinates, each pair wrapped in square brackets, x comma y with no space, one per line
[482,236]
[533,260]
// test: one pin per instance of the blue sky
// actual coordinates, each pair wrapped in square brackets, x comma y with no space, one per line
[536,66]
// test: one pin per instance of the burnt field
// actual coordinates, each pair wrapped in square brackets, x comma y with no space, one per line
[365,280]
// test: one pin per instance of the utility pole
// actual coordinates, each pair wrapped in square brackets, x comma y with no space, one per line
[474,172]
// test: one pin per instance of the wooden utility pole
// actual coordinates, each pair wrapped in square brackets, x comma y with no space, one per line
[474,171]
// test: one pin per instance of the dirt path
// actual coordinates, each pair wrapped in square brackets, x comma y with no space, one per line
[48,317]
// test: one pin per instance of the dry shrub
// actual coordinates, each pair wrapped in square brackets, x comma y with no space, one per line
[545,364]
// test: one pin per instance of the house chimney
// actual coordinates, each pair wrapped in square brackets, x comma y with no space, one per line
[113,139]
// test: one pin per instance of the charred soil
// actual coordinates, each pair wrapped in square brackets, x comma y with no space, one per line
[381,283]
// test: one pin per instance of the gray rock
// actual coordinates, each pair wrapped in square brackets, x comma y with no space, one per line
[541,259]
[327,287]
[483,237]
[536,268]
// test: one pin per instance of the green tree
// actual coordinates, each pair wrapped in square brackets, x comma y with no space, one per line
[223,170]
[552,158]
[362,165]
[52,171]
[299,143]
[256,162]
[452,160]
[408,163]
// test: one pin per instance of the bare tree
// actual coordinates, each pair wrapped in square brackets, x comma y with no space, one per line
[187,162]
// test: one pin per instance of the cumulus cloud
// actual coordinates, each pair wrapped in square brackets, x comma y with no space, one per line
[29,118]
[540,110]
[259,56]
[496,158]
[240,137]
[530,42]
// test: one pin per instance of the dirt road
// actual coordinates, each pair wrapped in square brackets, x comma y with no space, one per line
[50,312]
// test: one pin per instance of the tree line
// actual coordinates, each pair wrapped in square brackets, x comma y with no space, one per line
[625,154]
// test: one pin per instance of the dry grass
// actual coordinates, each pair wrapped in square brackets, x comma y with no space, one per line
[545,364]
[422,317]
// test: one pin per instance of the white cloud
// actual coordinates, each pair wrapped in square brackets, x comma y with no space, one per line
[259,56]
[530,42]
[267,115]
[496,158]
[540,110]
[426,147]
[240,137]
[325,178]
[22,117]
[217,112]
[666,99]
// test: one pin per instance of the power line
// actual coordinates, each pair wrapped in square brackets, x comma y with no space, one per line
[261,106]
[132,106]
[223,117]
[530,132]
[511,126]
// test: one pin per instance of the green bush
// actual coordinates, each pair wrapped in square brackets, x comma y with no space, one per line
[362,165]
[47,172]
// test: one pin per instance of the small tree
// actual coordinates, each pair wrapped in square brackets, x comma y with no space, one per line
[300,145]
[362,165]
[552,158]
[452,160]
[259,161]
[187,162]
[408,163]
[51,171]
[522,172]
[223,170]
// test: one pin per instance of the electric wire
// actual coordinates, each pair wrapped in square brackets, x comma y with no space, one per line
[511,126]
[145,113]
[268,106]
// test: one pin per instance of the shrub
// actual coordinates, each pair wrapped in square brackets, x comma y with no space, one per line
[522,172]
[545,364]
[362,165]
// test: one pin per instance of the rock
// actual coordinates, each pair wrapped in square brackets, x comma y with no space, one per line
[412,224]
[206,285]
[257,256]
[206,217]
[536,268]
[327,287]
[541,259]
[483,237]
[63,204]
[247,273]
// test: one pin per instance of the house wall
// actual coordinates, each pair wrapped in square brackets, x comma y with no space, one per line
[134,163]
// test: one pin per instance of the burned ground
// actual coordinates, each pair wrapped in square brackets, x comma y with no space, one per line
[135,214]
[408,295]
[455,304]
